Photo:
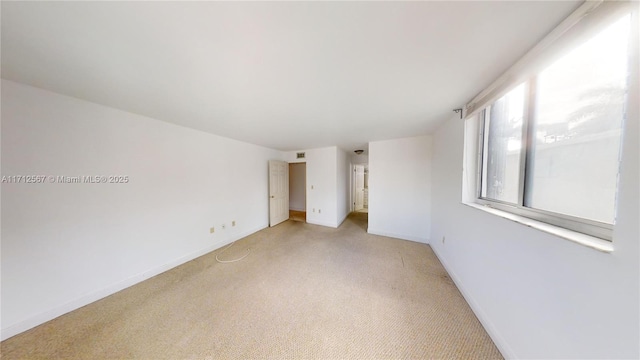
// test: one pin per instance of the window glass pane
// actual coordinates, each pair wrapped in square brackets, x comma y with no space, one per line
[502,147]
[578,128]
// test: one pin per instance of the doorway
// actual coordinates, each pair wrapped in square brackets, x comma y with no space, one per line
[298,192]
[361,188]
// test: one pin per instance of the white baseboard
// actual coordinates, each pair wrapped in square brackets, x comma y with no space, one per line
[55,312]
[297,209]
[322,223]
[500,342]
[420,239]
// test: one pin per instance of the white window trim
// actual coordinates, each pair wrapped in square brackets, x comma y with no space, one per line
[581,225]
[588,19]
[574,236]
[471,190]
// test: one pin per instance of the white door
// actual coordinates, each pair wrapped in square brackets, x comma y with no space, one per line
[359,187]
[278,192]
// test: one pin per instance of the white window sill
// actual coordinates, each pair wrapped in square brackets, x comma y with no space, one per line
[576,237]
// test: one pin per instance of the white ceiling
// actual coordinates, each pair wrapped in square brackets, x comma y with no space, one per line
[285,75]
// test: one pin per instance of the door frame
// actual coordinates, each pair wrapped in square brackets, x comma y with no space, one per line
[356,190]
[306,199]
[352,188]
[277,218]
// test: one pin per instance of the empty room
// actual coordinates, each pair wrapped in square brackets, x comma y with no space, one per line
[320,180]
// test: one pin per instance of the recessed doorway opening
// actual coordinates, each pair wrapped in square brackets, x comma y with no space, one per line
[298,192]
[361,188]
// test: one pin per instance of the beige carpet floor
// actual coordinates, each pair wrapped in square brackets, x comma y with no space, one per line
[305,291]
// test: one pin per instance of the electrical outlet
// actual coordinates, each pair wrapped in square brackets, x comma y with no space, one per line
[233,223]
[319,211]
[314,209]
[223,226]
[212,230]
[443,239]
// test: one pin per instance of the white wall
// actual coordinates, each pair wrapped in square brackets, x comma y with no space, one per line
[400,188]
[297,184]
[539,296]
[342,184]
[321,186]
[360,159]
[66,245]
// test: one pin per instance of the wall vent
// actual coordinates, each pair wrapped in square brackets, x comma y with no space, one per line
[300,155]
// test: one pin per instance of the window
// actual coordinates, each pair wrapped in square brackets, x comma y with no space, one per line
[549,148]
[502,147]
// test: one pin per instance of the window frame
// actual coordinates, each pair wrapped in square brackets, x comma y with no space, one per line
[582,225]
[587,20]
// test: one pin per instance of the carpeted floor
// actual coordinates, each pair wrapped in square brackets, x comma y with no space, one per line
[305,291]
